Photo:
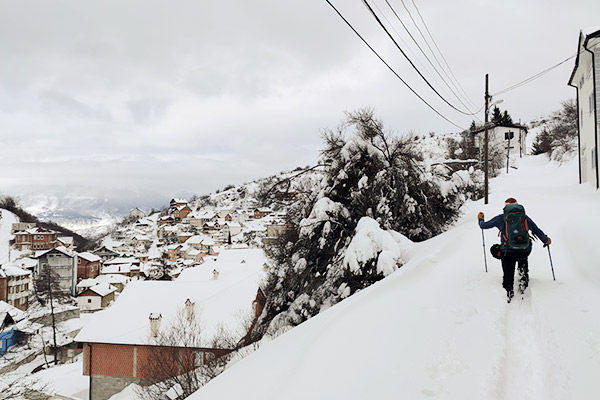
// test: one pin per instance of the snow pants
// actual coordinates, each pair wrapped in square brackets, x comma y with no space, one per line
[509,260]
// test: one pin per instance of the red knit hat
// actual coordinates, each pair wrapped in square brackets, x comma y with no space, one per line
[510,200]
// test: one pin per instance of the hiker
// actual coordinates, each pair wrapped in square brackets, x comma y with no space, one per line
[515,243]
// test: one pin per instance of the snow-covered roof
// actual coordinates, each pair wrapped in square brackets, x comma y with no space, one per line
[10,269]
[16,314]
[103,289]
[119,268]
[179,200]
[112,278]
[199,239]
[60,249]
[26,262]
[122,260]
[87,283]
[217,301]
[36,231]
[68,240]
[89,256]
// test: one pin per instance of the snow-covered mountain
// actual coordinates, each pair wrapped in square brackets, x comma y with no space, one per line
[440,326]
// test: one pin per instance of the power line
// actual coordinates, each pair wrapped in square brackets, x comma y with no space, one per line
[423,52]
[366,3]
[427,43]
[388,66]
[442,55]
[534,77]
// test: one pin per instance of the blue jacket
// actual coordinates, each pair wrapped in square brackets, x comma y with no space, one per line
[498,222]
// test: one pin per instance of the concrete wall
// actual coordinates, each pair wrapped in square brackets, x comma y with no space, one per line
[59,316]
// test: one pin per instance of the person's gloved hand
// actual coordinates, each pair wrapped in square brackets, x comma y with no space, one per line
[547,241]
[480,216]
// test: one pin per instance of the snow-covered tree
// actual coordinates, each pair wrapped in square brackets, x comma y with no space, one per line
[375,193]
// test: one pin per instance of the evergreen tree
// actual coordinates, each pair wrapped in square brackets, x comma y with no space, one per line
[368,173]
[496,116]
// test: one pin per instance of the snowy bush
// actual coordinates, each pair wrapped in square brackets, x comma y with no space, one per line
[557,135]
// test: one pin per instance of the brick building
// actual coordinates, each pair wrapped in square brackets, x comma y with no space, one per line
[121,342]
[36,238]
[88,265]
[15,286]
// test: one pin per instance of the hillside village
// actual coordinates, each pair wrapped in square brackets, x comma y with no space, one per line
[192,252]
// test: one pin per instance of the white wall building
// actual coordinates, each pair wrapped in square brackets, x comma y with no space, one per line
[585,78]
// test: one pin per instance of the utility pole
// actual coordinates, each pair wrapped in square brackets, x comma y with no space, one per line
[485,144]
[509,136]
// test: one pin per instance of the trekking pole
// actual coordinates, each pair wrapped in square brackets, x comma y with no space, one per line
[551,266]
[484,256]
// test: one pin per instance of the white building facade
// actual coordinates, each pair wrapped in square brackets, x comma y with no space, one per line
[585,78]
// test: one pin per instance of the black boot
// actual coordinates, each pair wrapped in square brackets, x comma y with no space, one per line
[523,275]
[510,294]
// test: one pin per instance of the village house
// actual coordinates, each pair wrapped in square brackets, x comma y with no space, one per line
[142,257]
[127,266]
[166,220]
[21,226]
[15,286]
[501,136]
[140,240]
[10,318]
[240,216]
[105,253]
[585,78]
[211,226]
[116,280]
[145,225]
[27,263]
[121,343]
[63,262]
[231,228]
[173,252]
[181,212]
[36,238]
[85,284]
[137,213]
[66,241]
[177,202]
[262,212]
[96,297]
[202,243]
[88,265]
[201,219]
[184,236]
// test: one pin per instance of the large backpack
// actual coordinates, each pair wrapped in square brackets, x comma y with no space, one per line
[516,233]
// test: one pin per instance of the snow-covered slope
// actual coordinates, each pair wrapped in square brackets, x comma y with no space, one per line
[440,326]
[6,222]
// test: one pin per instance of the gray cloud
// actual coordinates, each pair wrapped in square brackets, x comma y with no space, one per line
[188,96]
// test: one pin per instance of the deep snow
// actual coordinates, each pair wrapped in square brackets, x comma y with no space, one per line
[440,326]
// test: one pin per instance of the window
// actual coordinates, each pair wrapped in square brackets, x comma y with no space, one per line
[89,301]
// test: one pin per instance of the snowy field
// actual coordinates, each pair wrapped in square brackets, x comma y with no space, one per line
[440,327]
[6,222]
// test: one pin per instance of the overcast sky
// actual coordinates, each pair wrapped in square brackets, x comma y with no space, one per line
[180,97]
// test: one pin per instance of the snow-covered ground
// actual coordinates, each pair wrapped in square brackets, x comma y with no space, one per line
[6,222]
[440,326]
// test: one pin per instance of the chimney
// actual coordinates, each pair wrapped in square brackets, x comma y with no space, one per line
[155,324]
[215,274]
[189,310]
